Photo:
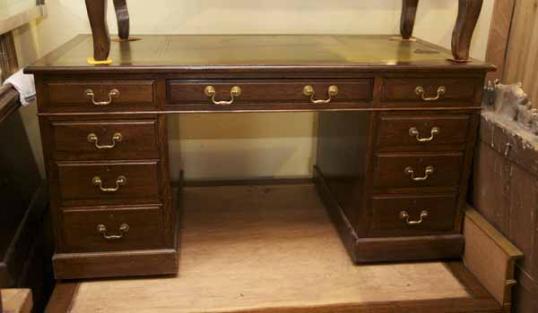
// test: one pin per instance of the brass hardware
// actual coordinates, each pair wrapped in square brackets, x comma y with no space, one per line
[404,215]
[413,132]
[441,91]
[112,93]
[211,93]
[310,92]
[124,228]
[120,181]
[92,138]
[427,172]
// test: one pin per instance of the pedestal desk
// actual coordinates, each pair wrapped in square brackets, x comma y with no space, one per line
[397,128]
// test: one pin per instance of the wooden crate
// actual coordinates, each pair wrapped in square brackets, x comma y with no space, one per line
[505,191]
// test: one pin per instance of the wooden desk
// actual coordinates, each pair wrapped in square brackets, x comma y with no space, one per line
[397,128]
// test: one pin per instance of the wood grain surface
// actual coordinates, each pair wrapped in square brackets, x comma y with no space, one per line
[522,58]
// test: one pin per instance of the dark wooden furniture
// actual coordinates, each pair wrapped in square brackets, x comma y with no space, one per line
[398,123]
[25,239]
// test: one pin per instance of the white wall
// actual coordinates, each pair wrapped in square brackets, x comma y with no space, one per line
[246,145]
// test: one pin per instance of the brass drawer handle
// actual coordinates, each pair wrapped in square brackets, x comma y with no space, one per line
[235,92]
[441,91]
[120,181]
[111,94]
[124,228]
[427,172]
[92,138]
[404,215]
[309,91]
[413,132]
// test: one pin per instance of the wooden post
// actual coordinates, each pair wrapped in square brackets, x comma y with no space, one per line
[407,21]
[468,13]
[101,38]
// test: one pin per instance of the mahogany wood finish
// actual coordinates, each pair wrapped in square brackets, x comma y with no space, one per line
[428,131]
[112,140]
[407,22]
[77,185]
[403,170]
[145,226]
[376,139]
[92,95]
[456,90]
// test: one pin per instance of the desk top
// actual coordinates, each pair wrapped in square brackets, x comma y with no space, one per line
[200,52]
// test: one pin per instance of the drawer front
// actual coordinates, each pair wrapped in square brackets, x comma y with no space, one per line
[108,183]
[105,140]
[418,170]
[112,229]
[97,96]
[250,93]
[412,215]
[400,130]
[462,91]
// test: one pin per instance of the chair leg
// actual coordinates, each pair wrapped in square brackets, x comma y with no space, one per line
[407,21]
[468,13]
[122,15]
[101,38]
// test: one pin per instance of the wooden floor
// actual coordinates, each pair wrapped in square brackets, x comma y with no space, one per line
[273,249]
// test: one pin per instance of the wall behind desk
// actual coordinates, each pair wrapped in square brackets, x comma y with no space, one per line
[246,145]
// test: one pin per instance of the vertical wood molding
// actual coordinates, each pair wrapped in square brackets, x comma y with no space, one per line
[8,56]
[499,35]
[522,55]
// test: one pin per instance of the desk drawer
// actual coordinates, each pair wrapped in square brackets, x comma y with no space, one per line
[418,170]
[404,130]
[108,182]
[235,93]
[105,140]
[97,96]
[412,215]
[432,90]
[112,229]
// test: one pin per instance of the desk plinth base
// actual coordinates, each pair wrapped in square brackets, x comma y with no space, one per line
[116,264]
[387,249]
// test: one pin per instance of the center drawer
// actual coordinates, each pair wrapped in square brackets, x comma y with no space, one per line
[113,229]
[85,183]
[214,94]
[105,140]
